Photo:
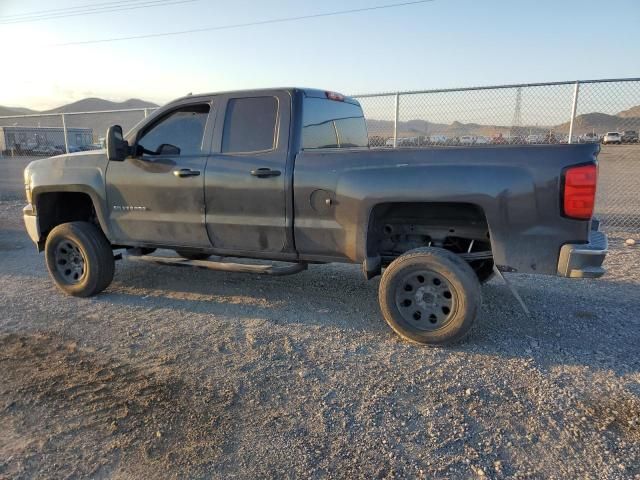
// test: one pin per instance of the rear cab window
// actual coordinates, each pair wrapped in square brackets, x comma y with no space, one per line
[250,125]
[330,123]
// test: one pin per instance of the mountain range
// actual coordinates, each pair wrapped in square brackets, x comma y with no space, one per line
[585,123]
[97,123]
[84,105]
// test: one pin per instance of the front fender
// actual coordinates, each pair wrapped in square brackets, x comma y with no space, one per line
[79,173]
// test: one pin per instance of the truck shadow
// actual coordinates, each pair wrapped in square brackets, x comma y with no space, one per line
[595,323]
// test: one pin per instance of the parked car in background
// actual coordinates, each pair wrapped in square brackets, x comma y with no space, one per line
[499,140]
[47,150]
[517,140]
[467,140]
[402,142]
[612,137]
[408,142]
[27,147]
[534,139]
[550,138]
[629,136]
[591,137]
[482,140]
[377,141]
[438,139]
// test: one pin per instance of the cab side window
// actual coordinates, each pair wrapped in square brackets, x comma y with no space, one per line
[332,124]
[178,133]
[250,125]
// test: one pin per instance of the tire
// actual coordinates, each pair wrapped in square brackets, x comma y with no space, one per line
[79,259]
[430,296]
[483,270]
[193,255]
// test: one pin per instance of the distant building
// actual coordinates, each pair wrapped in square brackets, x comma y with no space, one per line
[26,139]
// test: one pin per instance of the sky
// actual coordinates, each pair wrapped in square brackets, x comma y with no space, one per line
[441,44]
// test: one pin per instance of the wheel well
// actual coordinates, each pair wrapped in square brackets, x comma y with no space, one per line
[55,208]
[395,228]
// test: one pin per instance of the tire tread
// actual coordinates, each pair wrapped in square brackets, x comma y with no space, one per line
[470,298]
[98,251]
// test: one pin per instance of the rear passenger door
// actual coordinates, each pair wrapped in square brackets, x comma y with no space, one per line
[245,177]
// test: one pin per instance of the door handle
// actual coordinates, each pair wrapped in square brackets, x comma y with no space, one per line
[265,172]
[186,172]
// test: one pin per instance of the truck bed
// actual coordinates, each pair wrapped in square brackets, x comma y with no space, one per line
[518,189]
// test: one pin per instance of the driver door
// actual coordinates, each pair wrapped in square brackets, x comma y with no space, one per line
[157,197]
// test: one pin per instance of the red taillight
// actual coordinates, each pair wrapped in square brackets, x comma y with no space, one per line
[580,191]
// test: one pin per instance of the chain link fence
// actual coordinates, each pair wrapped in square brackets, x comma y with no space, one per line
[604,111]
[56,133]
[24,138]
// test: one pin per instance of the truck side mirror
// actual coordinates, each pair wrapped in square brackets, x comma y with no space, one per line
[168,149]
[117,146]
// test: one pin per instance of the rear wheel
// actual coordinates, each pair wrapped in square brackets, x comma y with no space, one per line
[430,296]
[79,259]
[193,255]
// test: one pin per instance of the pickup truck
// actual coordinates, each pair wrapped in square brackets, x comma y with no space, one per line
[287,176]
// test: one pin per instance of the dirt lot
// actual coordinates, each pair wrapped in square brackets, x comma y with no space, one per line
[177,373]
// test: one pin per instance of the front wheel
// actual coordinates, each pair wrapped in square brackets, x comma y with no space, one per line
[430,296]
[79,259]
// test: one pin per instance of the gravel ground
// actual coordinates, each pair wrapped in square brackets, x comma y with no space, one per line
[177,373]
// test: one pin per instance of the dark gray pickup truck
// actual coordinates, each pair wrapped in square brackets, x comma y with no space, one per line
[286,175]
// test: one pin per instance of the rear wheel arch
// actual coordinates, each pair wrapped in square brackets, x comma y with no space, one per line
[421,224]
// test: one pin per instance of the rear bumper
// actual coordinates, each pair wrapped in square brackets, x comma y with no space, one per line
[584,260]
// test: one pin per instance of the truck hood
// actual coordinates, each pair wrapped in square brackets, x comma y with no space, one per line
[91,159]
[69,169]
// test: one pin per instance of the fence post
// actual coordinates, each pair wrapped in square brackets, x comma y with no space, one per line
[574,107]
[64,132]
[395,121]
[146,112]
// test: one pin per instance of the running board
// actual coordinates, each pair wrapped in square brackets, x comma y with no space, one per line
[221,266]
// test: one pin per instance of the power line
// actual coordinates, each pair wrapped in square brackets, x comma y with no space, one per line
[56,10]
[244,25]
[88,10]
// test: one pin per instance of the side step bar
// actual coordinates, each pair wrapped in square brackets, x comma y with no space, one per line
[221,266]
